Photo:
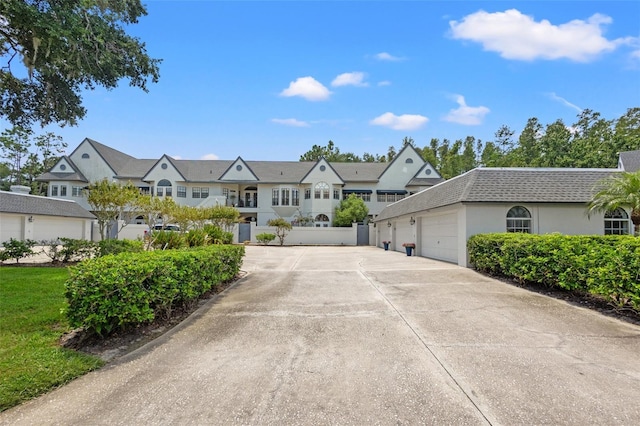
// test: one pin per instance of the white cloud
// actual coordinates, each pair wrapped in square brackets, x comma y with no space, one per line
[400,122]
[517,36]
[563,101]
[308,88]
[209,157]
[384,83]
[292,122]
[464,114]
[350,79]
[384,56]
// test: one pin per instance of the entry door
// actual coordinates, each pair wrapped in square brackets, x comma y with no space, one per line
[244,232]
[251,198]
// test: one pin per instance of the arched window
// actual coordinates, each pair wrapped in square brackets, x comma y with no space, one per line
[322,191]
[616,222]
[409,160]
[321,220]
[164,188]
[519,220]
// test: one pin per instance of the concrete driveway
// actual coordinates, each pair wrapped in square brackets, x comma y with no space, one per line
[357,335]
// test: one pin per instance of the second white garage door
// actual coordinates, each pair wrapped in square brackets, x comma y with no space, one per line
[440,237]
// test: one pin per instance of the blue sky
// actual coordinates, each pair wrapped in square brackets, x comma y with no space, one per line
[267,80]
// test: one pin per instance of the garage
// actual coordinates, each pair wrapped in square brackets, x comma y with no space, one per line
[404,234]
[440,237]
[11,227]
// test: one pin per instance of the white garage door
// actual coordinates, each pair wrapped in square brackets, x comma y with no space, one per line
[10,227]
[404,234]
[51,228]
[440,237]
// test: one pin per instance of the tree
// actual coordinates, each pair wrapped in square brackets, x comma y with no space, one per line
[619,191]
[282,228]
[52,50]
[224,217]
[351,209]
[15,144]
[111,201]
[330,153]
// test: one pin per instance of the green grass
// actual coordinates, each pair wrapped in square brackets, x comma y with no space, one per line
[31,322]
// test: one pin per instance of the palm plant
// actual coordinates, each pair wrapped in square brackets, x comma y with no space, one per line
[619,191]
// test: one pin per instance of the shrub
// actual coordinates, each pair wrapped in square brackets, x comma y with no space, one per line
[162,240]
[17,249]
[197,238]
[111,293]
[282,228]
[217,235]
[76,250]
[52,249]
[107,247]
[265,238]
[607,266]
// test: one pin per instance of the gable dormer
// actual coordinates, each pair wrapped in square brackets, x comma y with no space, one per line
[402,168]
[427,172]
[164,168]
[239,171]
[322,172]
[64,165]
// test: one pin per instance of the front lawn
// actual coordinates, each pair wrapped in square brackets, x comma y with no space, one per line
[31,322]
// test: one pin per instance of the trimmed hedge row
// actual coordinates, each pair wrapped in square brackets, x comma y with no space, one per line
[116,292]
[608,266]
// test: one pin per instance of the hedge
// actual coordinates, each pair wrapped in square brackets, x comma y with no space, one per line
[120,291]
[607,266]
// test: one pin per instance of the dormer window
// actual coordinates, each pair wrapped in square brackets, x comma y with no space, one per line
[409,161]
[63,167]
[85,155]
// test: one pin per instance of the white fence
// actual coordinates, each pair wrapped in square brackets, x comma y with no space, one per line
[300,235]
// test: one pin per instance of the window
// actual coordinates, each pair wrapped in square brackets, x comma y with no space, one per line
[390,198]
[63,167]
[54,190]
[616,222]
[321,221]
[295,197]
[307,194]
[85,155]
[409,161]
[321,191]
[204,192]
[159,191]
[275,196]
[63,190]
[181,191]
[364,196]
[225,192]
[164,186]
[336,194]
[195,192]
[76,191]
[284,192]
[519,220]
[144,190]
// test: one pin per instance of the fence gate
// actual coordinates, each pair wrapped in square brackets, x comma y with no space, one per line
[244,232]
[363,235]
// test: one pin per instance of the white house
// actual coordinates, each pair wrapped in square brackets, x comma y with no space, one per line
[440,219]
[261,190]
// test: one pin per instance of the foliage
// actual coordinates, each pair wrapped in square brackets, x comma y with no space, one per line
[619,191]
[167,240]
[224,217]
[282,228]
[330,153]
[76,250]
[17,249]
[65,48]
[26,157]
[217,235]
[31,361]
[111,201]
[607,266]
[265,238]
[108,247]
[197,238]
[351,209]
[116,292]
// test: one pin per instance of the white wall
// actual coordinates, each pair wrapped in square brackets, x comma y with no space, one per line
[312,236]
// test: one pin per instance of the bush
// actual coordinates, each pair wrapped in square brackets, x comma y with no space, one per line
[17,249]
[52,249]
[112,293]
[197,238]
[265,238]
[282,228]
[107,247]
[162,240]
[76,250]
[608,266]
[217,235]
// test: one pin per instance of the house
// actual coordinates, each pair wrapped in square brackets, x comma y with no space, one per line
[261,190]
[440,219]
[24,216]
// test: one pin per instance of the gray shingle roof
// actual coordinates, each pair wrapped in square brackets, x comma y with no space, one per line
[117,160]
[425,181]
[630,160]
[509,185]
[11,202]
